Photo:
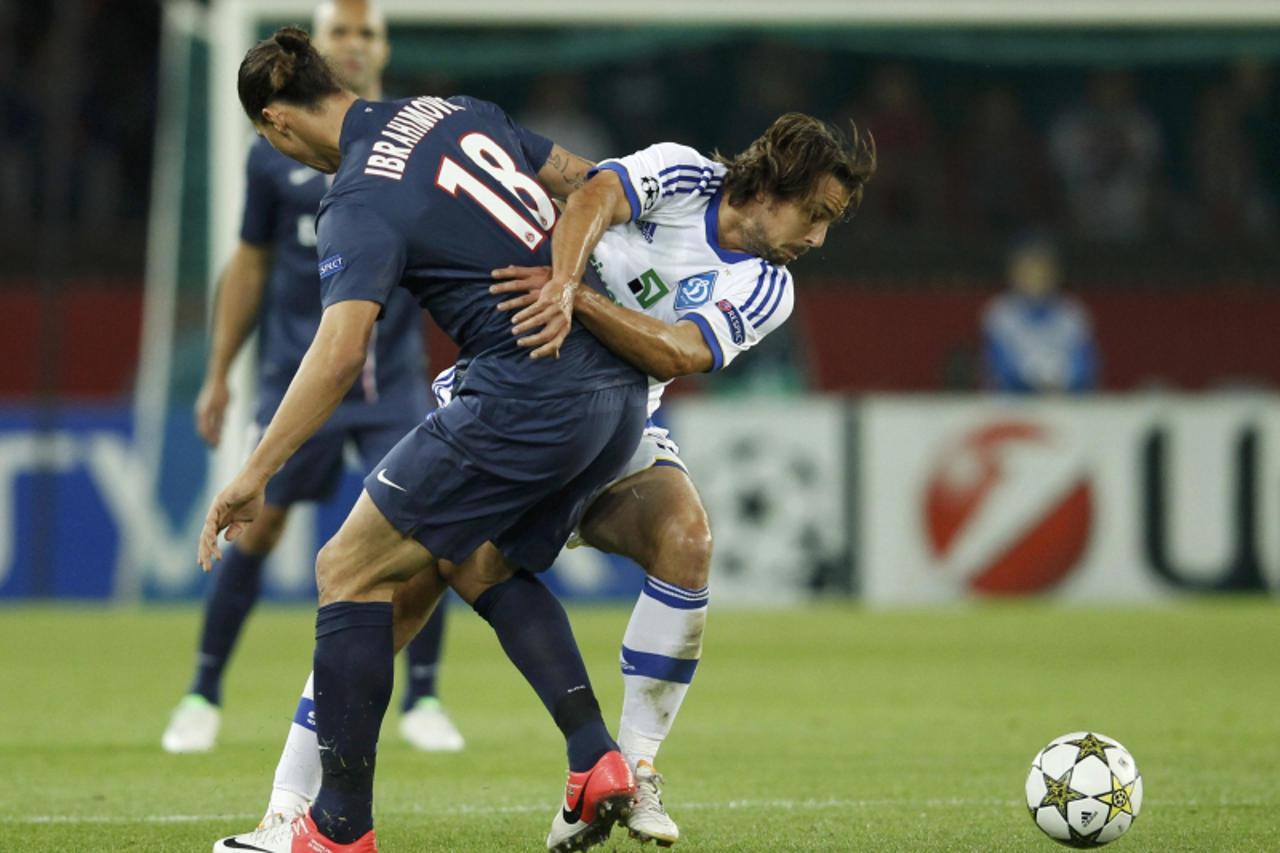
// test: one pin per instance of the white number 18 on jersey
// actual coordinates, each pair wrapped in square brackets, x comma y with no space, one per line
[492,158]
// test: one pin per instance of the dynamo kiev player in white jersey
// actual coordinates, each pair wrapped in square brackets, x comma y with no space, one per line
[692,253]
[694,260]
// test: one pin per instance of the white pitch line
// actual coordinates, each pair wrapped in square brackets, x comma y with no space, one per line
[730,805]
[520,808]
[538,808]
[154,818]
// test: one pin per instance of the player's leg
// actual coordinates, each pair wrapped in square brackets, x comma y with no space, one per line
[656,518]
[357,574]
[298,772]
[600,784]
[534,631]
[311,474]
[455,482]
[297,777]
[233,591]
[423,721]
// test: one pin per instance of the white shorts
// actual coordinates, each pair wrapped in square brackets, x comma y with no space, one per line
[656,449]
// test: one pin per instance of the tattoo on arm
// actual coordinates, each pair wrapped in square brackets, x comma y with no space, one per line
[571,167]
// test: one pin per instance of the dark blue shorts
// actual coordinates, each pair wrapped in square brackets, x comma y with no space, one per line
[314,472]
[519,473]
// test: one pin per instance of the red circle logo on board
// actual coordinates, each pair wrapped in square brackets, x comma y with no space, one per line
[1008,508]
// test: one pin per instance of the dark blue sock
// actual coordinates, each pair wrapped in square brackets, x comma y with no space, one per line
[423,659]
[236,584]
[535,634]
[354,670]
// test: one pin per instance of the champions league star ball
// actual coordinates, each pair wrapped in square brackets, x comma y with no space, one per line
[1084,789]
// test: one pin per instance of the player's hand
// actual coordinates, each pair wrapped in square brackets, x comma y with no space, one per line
[545,324]
[232,510]
[525,282]
[211,409]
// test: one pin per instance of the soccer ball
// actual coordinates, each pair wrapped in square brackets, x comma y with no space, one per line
[1084,789]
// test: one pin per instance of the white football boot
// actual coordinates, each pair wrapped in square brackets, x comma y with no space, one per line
[427,727]
[273,835]
[648,819]
[193,727]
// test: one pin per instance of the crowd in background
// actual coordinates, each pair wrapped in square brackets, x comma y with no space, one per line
[77,123]
[968,164]
[1124,165]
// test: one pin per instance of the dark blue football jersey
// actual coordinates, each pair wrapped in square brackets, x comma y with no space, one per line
[430,197]
[281,201]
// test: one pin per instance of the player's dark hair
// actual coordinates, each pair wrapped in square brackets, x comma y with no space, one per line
[285,67]
[794,154]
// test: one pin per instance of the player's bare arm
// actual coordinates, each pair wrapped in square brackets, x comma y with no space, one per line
[235,314]
[661,350]
[331,366]
[602,202]
[564,172]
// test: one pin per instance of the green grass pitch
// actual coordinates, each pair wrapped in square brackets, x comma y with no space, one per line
[827,728]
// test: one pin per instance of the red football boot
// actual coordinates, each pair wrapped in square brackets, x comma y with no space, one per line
[594,801]
[308,839]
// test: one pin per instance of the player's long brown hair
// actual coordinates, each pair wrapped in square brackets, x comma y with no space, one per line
[794,154]
[285,67]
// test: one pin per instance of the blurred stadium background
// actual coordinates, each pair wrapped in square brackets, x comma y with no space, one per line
[1142,135]
[863,456]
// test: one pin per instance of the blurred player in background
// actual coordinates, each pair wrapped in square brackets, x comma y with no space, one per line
[692,270]
[430,195]
[271,283]
[1035,339]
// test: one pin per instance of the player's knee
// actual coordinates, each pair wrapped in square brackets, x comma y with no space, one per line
[684,554]
[334,580]
[448,571]
[412,606]
[485,568]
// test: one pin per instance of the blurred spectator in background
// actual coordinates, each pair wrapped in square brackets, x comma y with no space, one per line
[1035,339]
[1107,153]
[771,79]
[18,123]
[908,185]
[1226,170]
[557,108]
[1253,85]
[638,101]
[1003,180]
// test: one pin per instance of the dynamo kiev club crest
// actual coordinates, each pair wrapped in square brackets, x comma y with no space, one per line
[695,290]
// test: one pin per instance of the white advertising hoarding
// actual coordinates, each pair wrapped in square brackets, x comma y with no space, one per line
[1105,499]
[773,474]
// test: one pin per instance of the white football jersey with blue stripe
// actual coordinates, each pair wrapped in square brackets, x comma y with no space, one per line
[668,263]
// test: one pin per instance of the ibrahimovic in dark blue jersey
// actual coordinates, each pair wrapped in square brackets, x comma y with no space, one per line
[281,201]
[431,195]
[429,192]
[270,283]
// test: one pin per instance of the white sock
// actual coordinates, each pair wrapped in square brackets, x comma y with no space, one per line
[297,779]
[660,652]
